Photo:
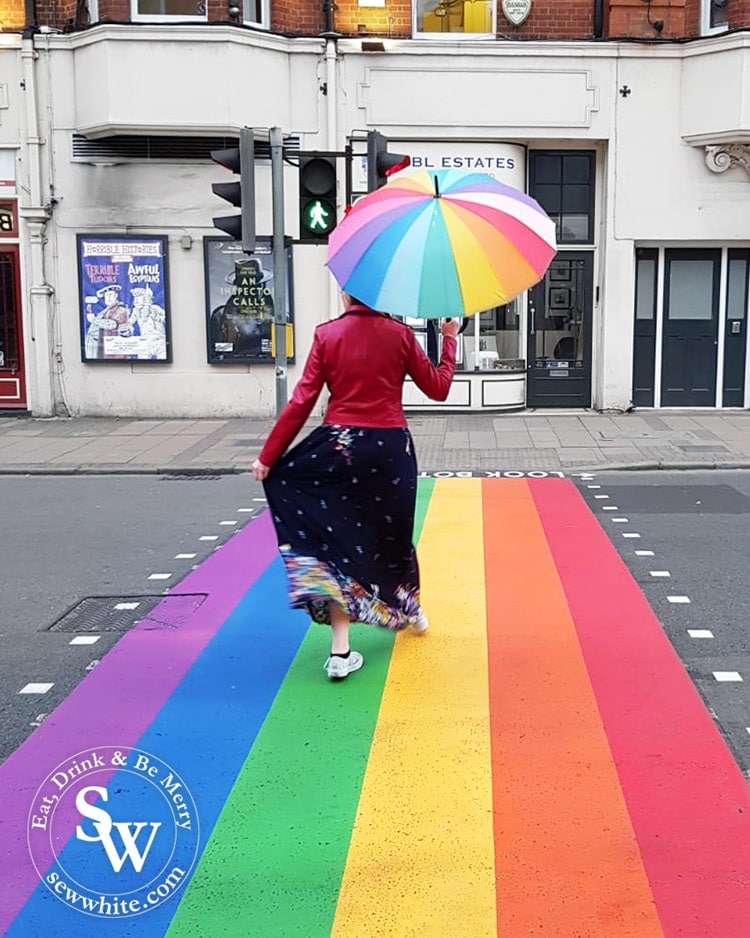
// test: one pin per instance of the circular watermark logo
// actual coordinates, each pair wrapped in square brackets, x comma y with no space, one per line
[113,832]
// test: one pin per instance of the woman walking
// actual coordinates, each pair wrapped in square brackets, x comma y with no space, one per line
[343,499]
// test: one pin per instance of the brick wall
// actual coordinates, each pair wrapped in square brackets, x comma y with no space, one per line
[12,15]
[631,18]
[739,14]
[392,20]
[549,19]
[298,17]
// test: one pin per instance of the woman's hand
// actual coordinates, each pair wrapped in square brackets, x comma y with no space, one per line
[260,471]
[450,327]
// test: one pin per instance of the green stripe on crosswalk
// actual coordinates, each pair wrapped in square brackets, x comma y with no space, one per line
[274,862]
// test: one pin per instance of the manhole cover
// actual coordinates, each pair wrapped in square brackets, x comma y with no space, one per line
[120,613]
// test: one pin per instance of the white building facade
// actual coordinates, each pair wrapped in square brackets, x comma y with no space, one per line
[103,144]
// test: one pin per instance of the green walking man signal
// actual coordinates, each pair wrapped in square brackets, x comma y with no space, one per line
[317,197]
[318,216]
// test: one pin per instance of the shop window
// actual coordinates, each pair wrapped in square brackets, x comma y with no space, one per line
[470,17]
[492,341]
[563,184]
[714,16]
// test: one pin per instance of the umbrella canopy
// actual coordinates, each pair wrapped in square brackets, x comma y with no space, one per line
[441,243]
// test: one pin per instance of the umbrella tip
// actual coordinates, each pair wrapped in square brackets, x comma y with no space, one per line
[437,187]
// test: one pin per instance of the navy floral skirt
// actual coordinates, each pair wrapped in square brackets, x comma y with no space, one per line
[343,504]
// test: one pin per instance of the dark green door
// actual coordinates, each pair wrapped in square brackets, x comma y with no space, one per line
[735,334]
[691,318]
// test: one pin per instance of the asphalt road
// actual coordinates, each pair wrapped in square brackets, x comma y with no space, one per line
[697,524]
[68,538]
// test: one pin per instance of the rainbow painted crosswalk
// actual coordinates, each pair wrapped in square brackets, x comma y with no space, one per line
[538,764]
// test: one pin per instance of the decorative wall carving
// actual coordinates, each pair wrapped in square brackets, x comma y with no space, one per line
[721,158]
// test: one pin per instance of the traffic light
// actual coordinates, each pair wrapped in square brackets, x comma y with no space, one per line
[317,197]
[381,163]
[240,160]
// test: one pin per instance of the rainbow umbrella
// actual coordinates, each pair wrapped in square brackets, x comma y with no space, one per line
[432,244]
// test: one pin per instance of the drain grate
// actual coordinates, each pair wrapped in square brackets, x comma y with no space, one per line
[121,613]
[718,448]
[189,477]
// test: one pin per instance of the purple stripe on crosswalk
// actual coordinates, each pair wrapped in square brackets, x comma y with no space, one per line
[119,699]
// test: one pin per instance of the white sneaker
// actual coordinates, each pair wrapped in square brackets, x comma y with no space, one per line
[419,625]
[338,668]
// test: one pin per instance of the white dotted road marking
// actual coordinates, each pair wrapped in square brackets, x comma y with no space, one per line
[630,534]
[678,599]
[259,499]
[209,537]
[610,508]
[644,553]
[601,496]
[593,486]
[127,605]
[619,520]
[659,573]
[84,640]
[700,633]
[159,576]
[228,523]
[185,556]
[245,509]
[35,688]
[727,676]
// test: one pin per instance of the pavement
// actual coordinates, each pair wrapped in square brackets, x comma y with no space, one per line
[527,441]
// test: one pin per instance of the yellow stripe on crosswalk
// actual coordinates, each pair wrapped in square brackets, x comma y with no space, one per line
[421,859]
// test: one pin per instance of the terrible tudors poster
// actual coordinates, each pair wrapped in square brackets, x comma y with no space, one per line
[123,296]
[240,303]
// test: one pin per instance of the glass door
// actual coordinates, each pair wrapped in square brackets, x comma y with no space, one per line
[559,340]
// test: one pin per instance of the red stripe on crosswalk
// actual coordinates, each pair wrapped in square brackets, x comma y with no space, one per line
[687,798]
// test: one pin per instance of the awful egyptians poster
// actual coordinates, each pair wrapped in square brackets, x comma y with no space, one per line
[123,292]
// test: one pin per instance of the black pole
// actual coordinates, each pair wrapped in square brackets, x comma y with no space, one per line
[598,19]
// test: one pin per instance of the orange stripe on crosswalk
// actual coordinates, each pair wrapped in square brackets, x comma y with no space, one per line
[567,862]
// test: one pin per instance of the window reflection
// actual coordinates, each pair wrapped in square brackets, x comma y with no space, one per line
[491,340]
[455,16]
[719,14]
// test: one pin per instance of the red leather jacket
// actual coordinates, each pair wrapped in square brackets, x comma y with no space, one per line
[364,358]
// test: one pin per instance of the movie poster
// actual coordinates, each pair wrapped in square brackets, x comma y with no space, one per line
[240,303]
[124,307]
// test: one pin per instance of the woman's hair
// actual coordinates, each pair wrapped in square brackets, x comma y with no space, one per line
[353,300]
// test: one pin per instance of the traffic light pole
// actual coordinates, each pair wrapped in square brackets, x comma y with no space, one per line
[279,265]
